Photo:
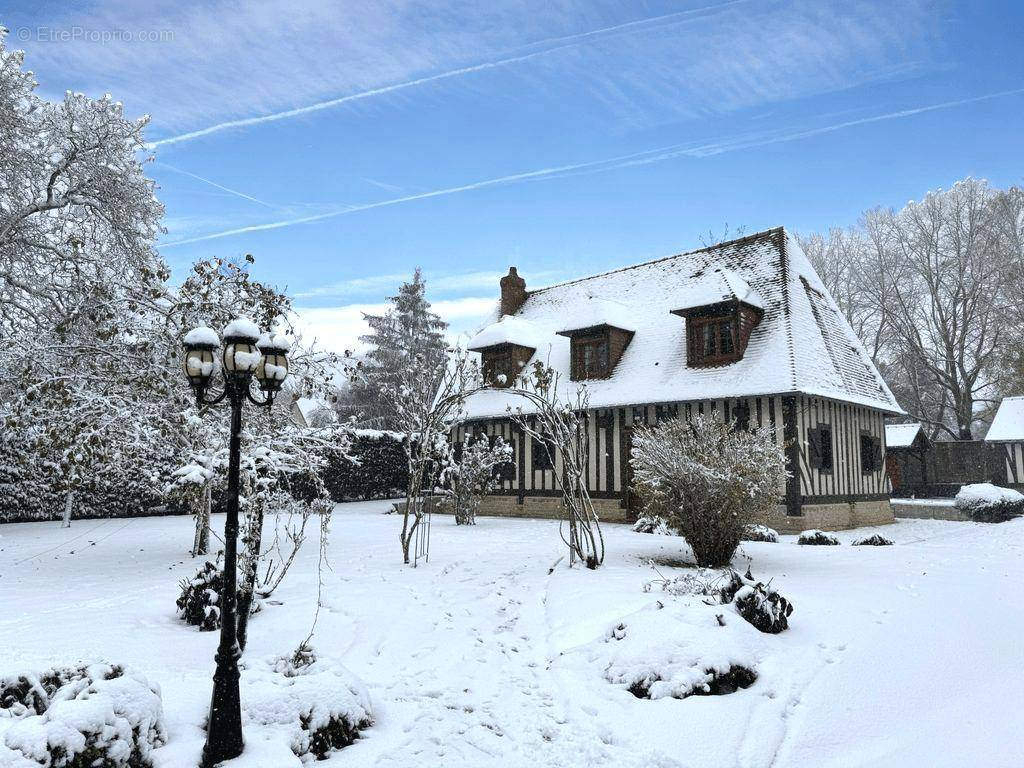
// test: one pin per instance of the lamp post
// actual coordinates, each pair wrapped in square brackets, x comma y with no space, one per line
[246,353]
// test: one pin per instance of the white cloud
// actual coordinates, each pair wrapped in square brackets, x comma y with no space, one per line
[230,61]
[695,150]
[337,329]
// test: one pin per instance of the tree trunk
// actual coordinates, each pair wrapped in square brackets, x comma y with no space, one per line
[248,588]
[69,502]
[201,543]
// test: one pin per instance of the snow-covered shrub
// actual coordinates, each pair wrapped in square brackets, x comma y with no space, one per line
[676,651]
[472,475]
[758,532]
[874,540]
[756,602]
[95,716]
[199,601]
[987,503]
[703,581]
[709,480]
[816,537]
[648,524]
[319,706]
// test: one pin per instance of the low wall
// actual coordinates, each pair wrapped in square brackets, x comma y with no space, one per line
[927,509]
[833,517]
[608,510]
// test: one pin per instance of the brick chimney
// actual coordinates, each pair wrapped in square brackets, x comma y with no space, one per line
[513,292]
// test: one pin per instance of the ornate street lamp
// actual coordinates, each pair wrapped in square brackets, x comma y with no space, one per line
[246,352]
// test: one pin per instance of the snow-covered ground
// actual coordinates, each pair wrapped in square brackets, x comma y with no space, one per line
[910,655]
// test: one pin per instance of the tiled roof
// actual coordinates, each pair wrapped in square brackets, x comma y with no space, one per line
[802,344]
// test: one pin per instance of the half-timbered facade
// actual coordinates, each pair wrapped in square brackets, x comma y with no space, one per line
[1007,431]
[743,331]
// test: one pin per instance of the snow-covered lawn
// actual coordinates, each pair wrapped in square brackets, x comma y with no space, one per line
[910,655]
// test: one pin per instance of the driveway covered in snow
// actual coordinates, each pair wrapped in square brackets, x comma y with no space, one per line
[896,656]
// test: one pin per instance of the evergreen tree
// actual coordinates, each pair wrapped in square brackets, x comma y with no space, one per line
[408,340]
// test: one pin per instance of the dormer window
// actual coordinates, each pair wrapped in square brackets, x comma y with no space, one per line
[505,348]
[713,340]
[503,363]
[590,357]
[721,311]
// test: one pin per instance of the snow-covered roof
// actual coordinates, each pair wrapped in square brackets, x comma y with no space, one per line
[595,311]
[802,344]
[510,329]
[901,435]
[714,286]
[1009,421]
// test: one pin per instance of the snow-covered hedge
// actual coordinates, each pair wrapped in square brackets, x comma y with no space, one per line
[816,537]
[987,503]
[761,605]
[760,533]
[380,469]
[95,716]
[317,705]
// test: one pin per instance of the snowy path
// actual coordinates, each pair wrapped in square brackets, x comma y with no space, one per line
[897,656]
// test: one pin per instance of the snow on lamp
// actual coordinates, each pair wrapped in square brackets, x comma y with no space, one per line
[240,356]
[199,362]
[273,366]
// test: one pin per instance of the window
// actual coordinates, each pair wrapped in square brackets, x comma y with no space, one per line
[499,369]
[741,416]
[819,445]
[590,357]
[712,340]
[541,455]
[870,453]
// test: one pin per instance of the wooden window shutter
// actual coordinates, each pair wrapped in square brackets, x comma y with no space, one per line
[814,447]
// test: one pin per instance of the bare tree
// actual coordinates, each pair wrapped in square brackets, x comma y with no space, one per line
[930,291]
[555,421]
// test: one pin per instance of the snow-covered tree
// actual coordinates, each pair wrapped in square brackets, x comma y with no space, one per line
[709,480]
[78,277]
[471,473]
[408,340]
[554,420]
[933,291]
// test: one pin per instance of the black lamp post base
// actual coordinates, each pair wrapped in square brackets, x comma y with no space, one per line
[224,731]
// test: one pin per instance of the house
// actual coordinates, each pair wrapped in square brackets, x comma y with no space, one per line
[744,330]
[1007,432]
[907,458]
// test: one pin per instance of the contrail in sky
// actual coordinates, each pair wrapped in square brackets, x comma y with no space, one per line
[214,184]
[655,155]
[560,43]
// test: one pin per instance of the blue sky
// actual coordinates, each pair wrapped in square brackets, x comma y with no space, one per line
[344,143]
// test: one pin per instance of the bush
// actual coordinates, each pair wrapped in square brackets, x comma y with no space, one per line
[318,706]
[758,603]
[199,601]
[380,469]
[95,716]
[475,474]
[709,480]
[874,540]
[987,503]
[816,537]
[760,533]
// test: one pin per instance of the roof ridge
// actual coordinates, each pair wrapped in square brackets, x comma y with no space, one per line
[763,234]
